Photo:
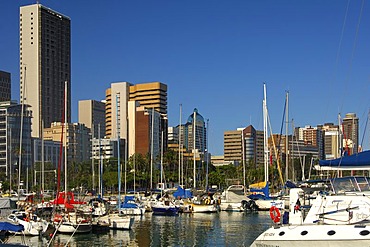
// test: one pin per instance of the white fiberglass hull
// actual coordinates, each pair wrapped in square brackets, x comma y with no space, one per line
[133,211]
[196,208]
[264,205]
[118,221]
[314,235]
[70,228]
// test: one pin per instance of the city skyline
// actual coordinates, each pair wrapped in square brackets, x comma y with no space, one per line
[216,56]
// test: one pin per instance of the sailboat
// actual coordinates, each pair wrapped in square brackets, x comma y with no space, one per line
[118,220]
[69,221]
[165,205]
[260,191]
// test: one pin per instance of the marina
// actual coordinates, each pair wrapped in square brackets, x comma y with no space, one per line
[217,229]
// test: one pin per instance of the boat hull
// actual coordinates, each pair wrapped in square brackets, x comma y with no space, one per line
[314,235]
[118,221]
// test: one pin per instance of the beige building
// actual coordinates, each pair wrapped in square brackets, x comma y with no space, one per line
[150,95]
[116,107]
[45,64]
[91,113]
[77,138]
[233,146]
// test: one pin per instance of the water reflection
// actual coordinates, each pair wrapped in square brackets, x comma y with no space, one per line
[218,229]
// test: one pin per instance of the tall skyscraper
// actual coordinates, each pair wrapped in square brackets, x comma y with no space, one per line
[45,64]
[5,86]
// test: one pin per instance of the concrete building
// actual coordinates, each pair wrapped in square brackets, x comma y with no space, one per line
[116,107]
[350,133]
[5,86]
[51,151]
[77,138]
[10,138]
[233,146]
[91,113]
[45,64]
[332,144]
[104,148]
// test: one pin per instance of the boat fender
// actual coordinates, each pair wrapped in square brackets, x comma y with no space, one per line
[275,214]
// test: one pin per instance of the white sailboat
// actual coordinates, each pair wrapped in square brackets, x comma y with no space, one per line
[69,222]
[118,220]
[261,193]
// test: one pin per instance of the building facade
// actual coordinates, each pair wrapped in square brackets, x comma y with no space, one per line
[45,64]
[91,113]
[350,133]
[76,137]
[12,146]
[5,86]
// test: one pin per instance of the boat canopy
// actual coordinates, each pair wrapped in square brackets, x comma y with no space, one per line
[182,193]
[359,161]
[7,226]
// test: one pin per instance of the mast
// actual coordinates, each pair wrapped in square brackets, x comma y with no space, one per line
[207,156]
[162,185]
[20,139]
[243,157]
[42,158]
[180,147]
[265,143]
[194,162]
[65,143]
[118,152]
[151,151]
[287,137]
[92,157]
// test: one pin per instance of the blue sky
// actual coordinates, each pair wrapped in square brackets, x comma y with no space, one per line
[216,55]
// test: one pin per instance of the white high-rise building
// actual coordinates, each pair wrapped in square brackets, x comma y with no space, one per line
[45,64]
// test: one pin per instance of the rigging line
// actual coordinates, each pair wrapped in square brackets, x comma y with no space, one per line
[338,51]
[353,50]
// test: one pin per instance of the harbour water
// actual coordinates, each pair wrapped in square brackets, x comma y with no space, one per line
[221,229]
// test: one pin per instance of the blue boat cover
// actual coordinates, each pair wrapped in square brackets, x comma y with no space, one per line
[7,226]
[182,193]
[359,160]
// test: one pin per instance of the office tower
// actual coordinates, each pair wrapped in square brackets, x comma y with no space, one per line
[5,86]
[116,107]
[233,146]
[195,120]
[153,95]
[10,120]
[150,95]
[92,114]
[45,64]
[350,133]
[332,143]
[78,140]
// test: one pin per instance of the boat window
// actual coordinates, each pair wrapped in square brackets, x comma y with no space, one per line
[364,233]
[304,233]
[331,233]
[281,233]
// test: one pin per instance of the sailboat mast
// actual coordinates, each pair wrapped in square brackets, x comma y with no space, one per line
[21,138]
[194,162]
[118,151]
[65,141]
[265,143]
[162,185]
[151,151]
[287,137]
[180,147]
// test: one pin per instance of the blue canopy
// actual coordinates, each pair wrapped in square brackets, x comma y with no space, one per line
[182,193]
[359,161]
[7,226]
